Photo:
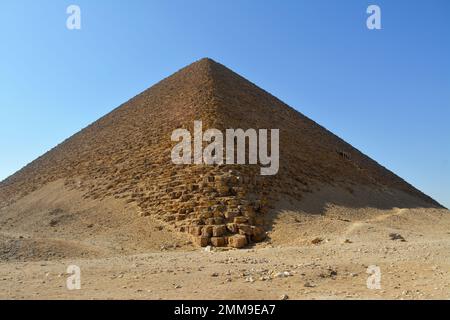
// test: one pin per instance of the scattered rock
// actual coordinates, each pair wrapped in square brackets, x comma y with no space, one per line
[329,273]
[53,222]
[309,285]
[396,236]
[284,274]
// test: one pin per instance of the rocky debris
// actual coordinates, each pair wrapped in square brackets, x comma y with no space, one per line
[328,273]
[396,236]
[316,241]
[53,222]
[309,285]
[284,297]
[263,274]
[284,274]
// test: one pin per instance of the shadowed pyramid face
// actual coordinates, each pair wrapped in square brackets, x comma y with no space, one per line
[127,154]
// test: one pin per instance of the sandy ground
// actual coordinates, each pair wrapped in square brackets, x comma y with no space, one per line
[122,256]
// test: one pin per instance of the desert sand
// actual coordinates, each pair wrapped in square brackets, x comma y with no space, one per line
[132,257]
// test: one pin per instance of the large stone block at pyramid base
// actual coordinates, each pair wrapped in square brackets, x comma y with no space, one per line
[127,155]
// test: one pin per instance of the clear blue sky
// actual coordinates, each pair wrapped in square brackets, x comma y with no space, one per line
[386,92]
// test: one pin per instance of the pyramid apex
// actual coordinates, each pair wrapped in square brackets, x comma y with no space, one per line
[204,66]
[206,61]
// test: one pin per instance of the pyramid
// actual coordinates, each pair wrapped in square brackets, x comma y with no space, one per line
[127,155]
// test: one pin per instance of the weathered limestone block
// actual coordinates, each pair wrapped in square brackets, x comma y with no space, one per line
[201,241]
[248,212]
[219,220]
[193,187]
[237,241]
[245,229]
[190,209]
[223,191]
[218,241]
[232,202]
[219,231]
[180,217]
[218,214]
[231,214]
[232,227]
[207,231]
[175,195]
[221,208]
[258,234]
[195,221]
[240,220]
[206,215]
[185,197]
[169,218]
[195,230]
[209,189]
